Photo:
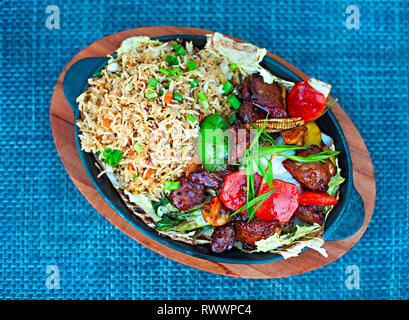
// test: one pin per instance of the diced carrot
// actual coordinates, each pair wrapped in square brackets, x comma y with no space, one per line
[168,97]
[150,173]
[196,61]
[200,117]
[106,122]
[130,165]
[132,153]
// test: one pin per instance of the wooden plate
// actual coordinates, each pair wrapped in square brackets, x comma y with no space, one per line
[62,124]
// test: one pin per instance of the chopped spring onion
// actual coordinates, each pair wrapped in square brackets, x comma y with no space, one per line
[192,65]
[118,75]
[227,87]
[166,85]
[129,87]
[177,97]
[112,157]
[172,60]
[151,95]
[152,83]
[171,185]
[191,118]
[183,149]
[203,99]
[97,74]
[232,67]
[164,71]
[235,103]
[137,147]
[174,71]
[178,49]
[178,75]
[194,83]
[232,119]
[136,176]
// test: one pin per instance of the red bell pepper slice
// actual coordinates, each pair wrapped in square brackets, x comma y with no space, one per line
[306,102]
[281,204]
[308,198]
[234,193]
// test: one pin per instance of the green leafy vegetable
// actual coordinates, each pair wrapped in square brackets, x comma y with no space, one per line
[334,183]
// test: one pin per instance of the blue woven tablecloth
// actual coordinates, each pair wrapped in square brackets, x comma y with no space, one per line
[45,221]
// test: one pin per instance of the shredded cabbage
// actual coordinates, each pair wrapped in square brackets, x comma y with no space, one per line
[278,241]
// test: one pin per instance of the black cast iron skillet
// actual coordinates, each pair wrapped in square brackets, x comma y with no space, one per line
[345,219]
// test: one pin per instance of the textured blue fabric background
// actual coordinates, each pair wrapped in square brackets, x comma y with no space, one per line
[45,221]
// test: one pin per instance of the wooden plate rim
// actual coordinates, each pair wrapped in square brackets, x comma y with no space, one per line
[62,122]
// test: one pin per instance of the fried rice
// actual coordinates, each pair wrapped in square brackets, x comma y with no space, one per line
[157,139]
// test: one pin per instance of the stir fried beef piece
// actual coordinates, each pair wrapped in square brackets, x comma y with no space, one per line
[260,98]
[310,215]
[188,195]
[255,230]
[223,238]
[207,179]
[248,112]
[313,176]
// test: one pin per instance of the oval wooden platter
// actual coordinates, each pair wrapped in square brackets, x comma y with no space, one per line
[62,124]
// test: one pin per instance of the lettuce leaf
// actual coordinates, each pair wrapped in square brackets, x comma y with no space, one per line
[276,243]
[134,43]
[334,183]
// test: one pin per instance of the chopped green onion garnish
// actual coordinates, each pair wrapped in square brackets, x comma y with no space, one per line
[174,71]
[178,75]
[227,87]
[232,67]
[152,83]
[118,75]
[97,74]
[183,149]
[98,153]
[137,147]
[161,92]
[171,185]
[164,71]
[172,60]
[177,97]
[178,49]
[203,99]
[129,87]
[192,65]
[114,158]
[235,103]
[194,83]
[201,96]
[166,85]
[191,118]
[151,95]
[232,119]
[136,175]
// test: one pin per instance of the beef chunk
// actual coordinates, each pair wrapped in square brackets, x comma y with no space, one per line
[188,195]
[255,230]
[313,176]
[223,238]
[260,98]
[207,179]
[310,215]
